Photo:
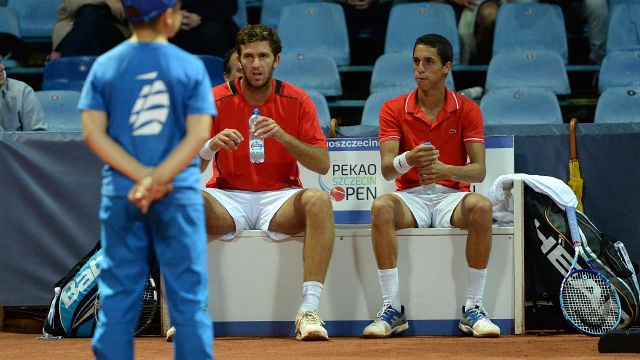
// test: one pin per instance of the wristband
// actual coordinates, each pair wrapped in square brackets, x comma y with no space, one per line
[400,163]
[206,153]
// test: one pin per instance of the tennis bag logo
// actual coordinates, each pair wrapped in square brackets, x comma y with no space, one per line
[547,231]
[71,313]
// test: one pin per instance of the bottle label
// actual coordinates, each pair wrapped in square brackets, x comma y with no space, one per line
[256,145]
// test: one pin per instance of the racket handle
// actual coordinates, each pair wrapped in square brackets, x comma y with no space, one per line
[573,225]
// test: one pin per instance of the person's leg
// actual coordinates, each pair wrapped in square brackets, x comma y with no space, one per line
[181,248]
[484,30]
[388,214]
[474,213]
[309,210]
[124,271]
[596,13]
[219,221]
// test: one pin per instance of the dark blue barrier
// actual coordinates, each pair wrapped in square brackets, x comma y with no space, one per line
[51,193]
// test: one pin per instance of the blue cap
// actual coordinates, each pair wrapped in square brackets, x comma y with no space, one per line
[147,10]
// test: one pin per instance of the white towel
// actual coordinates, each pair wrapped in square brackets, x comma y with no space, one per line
[502,199]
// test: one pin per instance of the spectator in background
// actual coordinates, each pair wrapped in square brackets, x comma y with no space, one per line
[476,23]
[207,27]
[593,13]
[88,27]
[231,65]
[367,24]
[19,107]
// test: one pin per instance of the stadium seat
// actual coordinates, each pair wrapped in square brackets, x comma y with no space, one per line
[407,22]
[311,71]
[520,106]
[241,16]
[37,17]
[619,69]
[618,105]
[528,69]
[315,27]
[10,35]
[67,73]
[624,27]
[370,125]
[395,70]
[215,68]
[322,111]
[271,9]
[60,110]
[530,26]
[322,108]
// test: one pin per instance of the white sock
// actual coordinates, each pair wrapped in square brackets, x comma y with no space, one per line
[476,279]
[311,291]
[390,286]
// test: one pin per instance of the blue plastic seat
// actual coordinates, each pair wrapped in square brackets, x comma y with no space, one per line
[624,27]
[315,27]
[618,105]
[67,73]
[530,26]
[37,17]
[322,111]
[271,9]
[312,71]
[322,107]
[370,122]
[520,105]
[215,68]
[619,69]
[407,22]
[395,70]
[543,69]
[60,109]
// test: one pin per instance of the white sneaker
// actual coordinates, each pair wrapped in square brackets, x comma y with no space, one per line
[389,322]
[309,327]
[170,334]
[476,322]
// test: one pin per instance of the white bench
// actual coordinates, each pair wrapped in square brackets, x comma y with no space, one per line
[256,283]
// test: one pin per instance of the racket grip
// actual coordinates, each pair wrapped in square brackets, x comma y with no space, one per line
[573,225]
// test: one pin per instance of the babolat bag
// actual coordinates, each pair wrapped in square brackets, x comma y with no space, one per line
[71,313]
[549,252]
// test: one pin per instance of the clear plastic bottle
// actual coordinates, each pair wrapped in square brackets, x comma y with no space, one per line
[256,143]
[430,189]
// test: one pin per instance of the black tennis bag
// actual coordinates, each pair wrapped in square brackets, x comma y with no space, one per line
[549,252]
[71,312]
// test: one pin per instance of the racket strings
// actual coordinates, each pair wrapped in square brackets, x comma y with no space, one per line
[149,304]
[590,302]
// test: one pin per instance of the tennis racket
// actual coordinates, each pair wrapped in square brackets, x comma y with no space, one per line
[588,300]
[147,311]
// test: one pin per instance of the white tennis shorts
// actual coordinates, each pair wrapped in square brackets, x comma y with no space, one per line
[432,211]
[252,210]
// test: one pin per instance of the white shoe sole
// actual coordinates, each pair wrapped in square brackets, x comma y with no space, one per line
[397,331]
[314,335]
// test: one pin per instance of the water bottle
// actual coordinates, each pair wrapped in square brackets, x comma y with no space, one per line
[430,189]
[474,93]
[256,143]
